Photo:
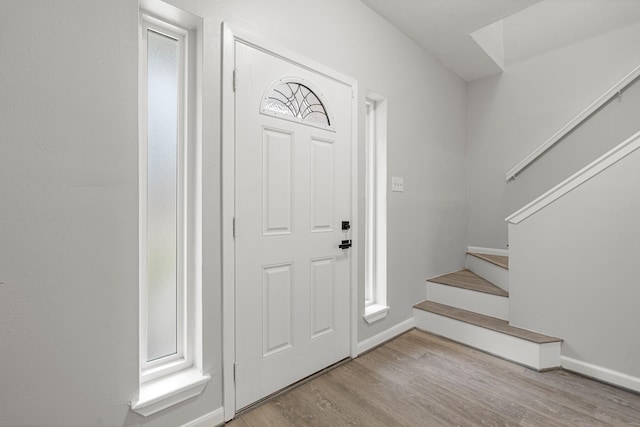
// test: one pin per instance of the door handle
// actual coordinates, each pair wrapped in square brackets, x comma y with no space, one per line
[346,244]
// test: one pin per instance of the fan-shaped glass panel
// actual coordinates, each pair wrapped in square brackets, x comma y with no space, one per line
[296,100]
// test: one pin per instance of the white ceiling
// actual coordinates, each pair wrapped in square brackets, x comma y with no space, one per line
[529,28]
[553,24]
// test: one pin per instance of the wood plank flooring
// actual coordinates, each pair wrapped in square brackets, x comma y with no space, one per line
[499,260]
[467,279]
[419,379]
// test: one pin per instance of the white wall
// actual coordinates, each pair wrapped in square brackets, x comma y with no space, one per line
[68,189]
[587,291]
[511,114]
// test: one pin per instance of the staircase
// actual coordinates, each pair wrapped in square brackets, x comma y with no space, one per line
[471,306]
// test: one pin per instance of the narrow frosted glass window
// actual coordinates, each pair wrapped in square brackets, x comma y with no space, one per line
[376,208]
[169,208]
[371,211]
[162,195]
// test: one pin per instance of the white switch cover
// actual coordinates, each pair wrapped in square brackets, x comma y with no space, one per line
[397,183]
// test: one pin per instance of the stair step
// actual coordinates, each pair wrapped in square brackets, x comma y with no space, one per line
[466,290]
[489,334]
[487,322]
[499,260]
[467,279]
[484,266]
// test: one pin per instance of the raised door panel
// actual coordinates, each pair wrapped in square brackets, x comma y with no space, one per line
[277,181]
[322,283]
[277,309]
[322,186]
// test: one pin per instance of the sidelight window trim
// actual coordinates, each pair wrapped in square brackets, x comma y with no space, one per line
[375,277]
[171,379]
[152,369]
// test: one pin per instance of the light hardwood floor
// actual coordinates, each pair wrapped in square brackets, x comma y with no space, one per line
[419,379]
[499,260]
[467,279]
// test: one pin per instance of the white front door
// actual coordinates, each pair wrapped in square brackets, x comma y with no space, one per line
[293,190]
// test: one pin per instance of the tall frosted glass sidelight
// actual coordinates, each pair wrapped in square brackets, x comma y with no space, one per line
[162,196]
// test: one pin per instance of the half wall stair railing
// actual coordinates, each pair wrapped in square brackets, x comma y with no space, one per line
[584,115]
[608,159]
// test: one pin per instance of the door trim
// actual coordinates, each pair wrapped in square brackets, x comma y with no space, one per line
[229,38]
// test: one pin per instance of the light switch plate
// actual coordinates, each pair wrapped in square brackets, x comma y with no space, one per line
[397,183]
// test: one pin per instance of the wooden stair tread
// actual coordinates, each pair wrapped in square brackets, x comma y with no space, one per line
[467,279]
[499,260]
[483,321]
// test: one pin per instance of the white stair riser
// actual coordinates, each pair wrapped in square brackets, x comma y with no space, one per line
[488,271]
[488,251]
[523,352]
[478,302]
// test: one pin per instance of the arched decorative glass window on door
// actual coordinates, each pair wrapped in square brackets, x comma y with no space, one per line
[297,100]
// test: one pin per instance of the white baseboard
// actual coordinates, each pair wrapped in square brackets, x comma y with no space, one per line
[600,373]
[386,335]
[488,251]
[214,418]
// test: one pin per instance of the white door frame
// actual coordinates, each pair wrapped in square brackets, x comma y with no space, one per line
[229,37]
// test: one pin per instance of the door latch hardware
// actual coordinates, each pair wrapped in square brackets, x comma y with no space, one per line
[346,244]
[346,225]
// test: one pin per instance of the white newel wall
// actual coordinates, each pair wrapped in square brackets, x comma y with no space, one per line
[573,274]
